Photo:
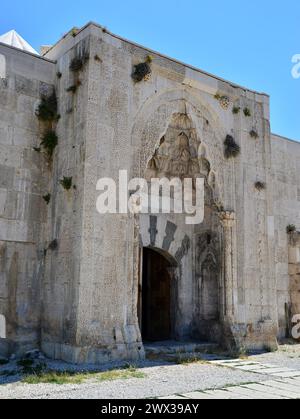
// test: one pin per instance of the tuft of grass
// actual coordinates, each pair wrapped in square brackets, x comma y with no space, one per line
[49,141]
[37,149]
[47,109]
[141,71]
[260,186]
[73,377]
[74,32]
[253,134]
[291,228]
[78,62]
[247,112]
[188,360]
[149,59]
[124,374]
[232,149]
[66,183]
[236,110]
[47,198]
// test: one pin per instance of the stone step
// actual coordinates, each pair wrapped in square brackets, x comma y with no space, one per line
[184,349]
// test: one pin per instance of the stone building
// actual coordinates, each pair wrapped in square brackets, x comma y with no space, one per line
[85,287]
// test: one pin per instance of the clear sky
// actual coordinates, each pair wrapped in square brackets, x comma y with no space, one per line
[247,42]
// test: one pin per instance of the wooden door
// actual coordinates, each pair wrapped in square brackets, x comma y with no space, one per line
[156,297]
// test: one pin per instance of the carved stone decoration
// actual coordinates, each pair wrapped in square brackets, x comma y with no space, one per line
[184,249]
[208,274]
[177,154]
[227,219]
[224,102]
[153,230]
[170,233]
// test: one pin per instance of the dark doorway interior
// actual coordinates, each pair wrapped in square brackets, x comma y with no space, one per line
[156,297]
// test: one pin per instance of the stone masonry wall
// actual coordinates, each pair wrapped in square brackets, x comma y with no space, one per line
[286,184]
[124,124]
[22,209]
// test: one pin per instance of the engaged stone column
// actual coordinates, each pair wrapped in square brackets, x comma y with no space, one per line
[230,284]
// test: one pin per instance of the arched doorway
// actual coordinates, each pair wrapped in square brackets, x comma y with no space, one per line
[156,297]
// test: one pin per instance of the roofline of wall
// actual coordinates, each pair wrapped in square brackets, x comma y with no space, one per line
[234,85]
[285,138]
[39,57]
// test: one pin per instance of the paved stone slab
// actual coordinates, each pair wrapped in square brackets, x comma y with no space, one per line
[225,361]
[223,394]
[293,380]
[198,395]
[252,394]
[271,390]
[253,368]
[287,374]
[285,386]
[270,371]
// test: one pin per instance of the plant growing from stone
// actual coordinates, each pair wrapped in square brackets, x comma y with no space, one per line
[232,149]
[291,228]
[49,142]
[79,62]
[247,112]
[142,71]
[253,134]
[260,186]
[47,198]
[236,110]
[47,109]
[66,183]
[74,32]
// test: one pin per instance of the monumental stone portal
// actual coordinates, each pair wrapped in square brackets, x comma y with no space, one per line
[85,287]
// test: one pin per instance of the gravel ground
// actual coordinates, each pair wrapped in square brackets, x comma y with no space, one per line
[288,356]
[161,379]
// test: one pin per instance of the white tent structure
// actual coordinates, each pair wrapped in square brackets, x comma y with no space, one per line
[13,39]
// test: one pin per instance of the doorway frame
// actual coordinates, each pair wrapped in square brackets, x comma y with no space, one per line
[174,272]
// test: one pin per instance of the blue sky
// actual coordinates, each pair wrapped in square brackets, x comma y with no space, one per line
[248,42]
